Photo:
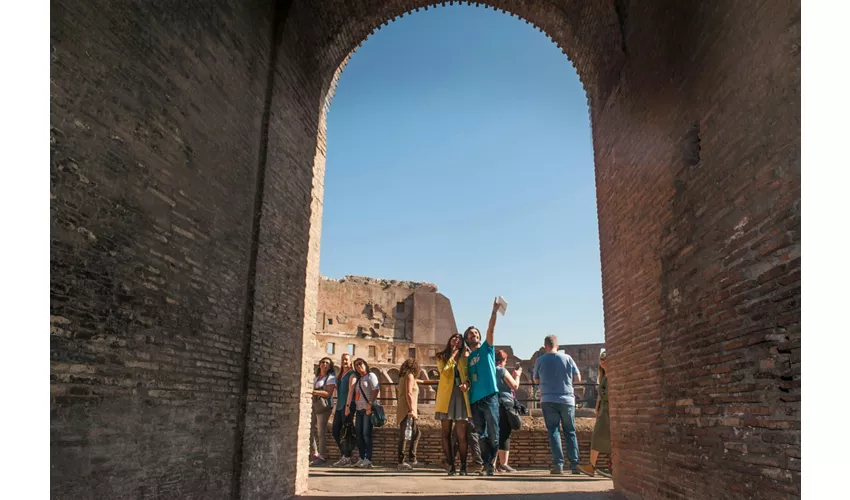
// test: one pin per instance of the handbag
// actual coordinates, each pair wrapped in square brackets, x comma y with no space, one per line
[347,438]
[322,404]
[378,417]
[511,410]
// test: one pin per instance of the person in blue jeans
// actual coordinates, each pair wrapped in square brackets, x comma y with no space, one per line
[363,390]
[483,394]
[555,373]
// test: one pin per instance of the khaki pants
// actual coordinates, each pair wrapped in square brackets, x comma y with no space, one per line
[410,448]
[319,433]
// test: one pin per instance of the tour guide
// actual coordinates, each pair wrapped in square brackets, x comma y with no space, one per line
[483,395]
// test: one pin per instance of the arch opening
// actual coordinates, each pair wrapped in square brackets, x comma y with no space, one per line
[193,176]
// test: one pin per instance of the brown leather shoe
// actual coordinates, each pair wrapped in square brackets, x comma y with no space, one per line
[589,470]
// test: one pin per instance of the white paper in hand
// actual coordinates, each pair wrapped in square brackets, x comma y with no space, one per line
[503,304]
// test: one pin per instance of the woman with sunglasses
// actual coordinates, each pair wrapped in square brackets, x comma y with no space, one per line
[452,408]
[324,384]
[600,441]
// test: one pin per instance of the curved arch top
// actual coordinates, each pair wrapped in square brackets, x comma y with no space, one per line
[588,33]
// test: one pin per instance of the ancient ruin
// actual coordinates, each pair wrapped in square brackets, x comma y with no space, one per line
[188,146]
[386,322]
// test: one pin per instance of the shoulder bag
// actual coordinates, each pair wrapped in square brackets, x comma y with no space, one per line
[379,417]
[322,404]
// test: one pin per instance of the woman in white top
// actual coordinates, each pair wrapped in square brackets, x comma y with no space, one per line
[363,391]
[323,387]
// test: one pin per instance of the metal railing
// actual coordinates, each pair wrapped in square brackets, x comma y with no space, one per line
[586,399]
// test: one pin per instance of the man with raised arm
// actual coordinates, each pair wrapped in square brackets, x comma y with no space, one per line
[555,373]
[483,395]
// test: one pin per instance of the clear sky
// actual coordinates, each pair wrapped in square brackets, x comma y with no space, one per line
[459,153]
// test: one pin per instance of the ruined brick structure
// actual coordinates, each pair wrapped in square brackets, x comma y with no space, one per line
[384,322]
[384,311]
[187,162]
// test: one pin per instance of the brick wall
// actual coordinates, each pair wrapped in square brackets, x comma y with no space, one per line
[186,201]
[155,116]
[529,449]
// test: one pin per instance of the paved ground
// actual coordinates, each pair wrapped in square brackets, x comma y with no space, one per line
[434,484]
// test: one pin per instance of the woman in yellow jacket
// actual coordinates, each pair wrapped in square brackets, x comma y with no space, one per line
[452,406]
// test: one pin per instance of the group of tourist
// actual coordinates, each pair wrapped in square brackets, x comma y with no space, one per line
[475,406]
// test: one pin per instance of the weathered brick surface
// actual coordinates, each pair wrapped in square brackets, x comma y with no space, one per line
[158,144]
[155,129]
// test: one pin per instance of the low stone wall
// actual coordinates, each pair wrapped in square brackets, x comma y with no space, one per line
[529,448]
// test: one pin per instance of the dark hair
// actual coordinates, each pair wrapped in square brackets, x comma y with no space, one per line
[501,355]
[447,352]
[330,368]
[550,341]
[354,366]
[409,366]
[469,329]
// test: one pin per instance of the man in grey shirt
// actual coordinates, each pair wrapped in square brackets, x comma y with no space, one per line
[555,373]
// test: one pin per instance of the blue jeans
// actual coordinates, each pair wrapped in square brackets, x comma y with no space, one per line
[363,430]
[555,415]
[485,416]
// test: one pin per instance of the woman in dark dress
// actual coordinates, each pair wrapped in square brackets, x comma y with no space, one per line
[600,441]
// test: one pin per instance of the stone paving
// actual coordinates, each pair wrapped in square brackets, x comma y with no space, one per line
[434,484]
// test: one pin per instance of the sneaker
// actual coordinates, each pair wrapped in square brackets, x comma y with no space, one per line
[506,468]
[365,464]
[574,470]
[404,466]
[589,470]
[556,470]
[342,462]
[318,460]
[357,463]
[462,470]
[491,470]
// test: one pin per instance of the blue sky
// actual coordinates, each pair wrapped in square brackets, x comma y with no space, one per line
[459,153]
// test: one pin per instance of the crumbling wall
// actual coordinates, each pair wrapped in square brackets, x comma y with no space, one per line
[357,305]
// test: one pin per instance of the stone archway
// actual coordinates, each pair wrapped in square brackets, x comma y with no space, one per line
[187,158]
